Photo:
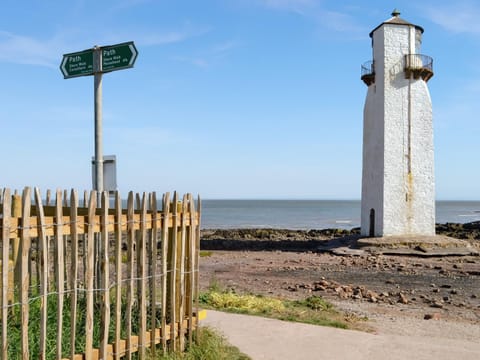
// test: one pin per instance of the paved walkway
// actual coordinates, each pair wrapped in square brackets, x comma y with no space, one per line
[262,339]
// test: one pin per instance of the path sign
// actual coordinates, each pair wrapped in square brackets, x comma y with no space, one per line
[118,57]
[77,64]
[114,57]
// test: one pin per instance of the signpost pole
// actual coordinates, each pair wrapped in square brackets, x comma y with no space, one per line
[97,74]
[97,62]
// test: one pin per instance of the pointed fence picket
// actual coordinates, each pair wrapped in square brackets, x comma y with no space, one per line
[115,280]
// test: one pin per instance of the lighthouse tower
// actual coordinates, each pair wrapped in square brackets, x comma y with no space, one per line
[398,185]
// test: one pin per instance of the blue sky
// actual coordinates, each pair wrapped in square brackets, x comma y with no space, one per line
[228,98]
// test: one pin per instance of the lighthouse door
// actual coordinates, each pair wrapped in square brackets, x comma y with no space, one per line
[372,223]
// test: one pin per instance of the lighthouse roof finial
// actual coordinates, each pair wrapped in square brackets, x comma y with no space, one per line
[396,20]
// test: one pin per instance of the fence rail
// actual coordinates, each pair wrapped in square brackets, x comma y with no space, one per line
[115,280]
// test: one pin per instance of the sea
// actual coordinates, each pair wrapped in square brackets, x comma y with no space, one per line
[311,214]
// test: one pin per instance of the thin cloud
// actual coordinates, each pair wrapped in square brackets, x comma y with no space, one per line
[210,56]
[154,37]
[297,6]
[456,17]
[225,47]
[196,61]
[127,4]
[21,49]
[311,9]
[340,22]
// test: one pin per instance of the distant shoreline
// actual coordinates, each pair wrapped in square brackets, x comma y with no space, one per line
[288,239]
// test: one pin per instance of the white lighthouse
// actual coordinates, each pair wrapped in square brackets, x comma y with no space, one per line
[398,184]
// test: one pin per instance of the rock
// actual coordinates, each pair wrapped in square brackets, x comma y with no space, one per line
[402,298]
[437,304]
[371,296]
[323,282]
[421,248]
[434,316]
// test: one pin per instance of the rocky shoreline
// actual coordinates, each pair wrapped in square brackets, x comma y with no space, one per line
[388,287]
[300,240]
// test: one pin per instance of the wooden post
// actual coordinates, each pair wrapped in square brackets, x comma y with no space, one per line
[66,253]
[5,220]
[181,277]
[24,275]
[48,197]
[73,270]
[141,249]
[105,270]
[43,260]
[118,272]
[153,272]
[130,254]
[197,258]
[89,277]
[164,259]
[59,260]
[173,273]
[190,267]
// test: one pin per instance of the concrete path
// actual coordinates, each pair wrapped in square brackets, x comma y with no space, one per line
[262,339]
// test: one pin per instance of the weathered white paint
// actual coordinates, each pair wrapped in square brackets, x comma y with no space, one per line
[398,173]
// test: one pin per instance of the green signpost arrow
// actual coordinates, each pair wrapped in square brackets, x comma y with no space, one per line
[77,64]
[118,57]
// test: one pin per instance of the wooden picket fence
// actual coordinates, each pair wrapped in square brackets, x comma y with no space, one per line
[114,281]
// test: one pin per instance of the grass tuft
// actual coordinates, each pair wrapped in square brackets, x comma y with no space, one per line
[210,346]
[311,310]
[205,253]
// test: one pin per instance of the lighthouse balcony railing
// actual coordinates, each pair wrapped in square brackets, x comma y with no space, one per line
[368,72]
[418,65]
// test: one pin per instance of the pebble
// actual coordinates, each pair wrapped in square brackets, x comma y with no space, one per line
[402,298]
[434,316]
[437,304]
